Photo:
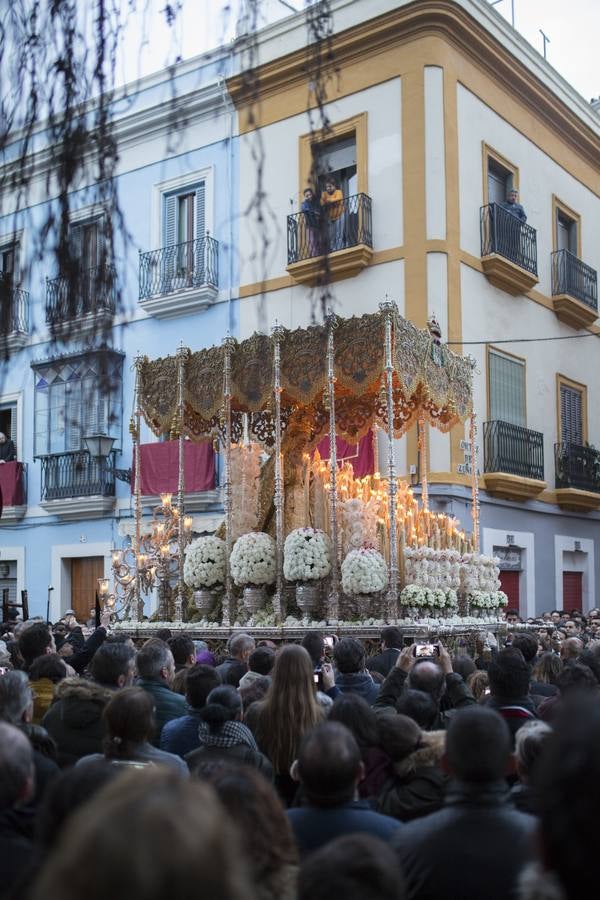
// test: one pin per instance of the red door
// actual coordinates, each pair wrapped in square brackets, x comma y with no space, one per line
[509,583]
[572,591]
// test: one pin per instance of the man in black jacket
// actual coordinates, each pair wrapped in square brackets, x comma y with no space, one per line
[37,639]
[430,675]
[236,665]
[462,850]
[17,776]
[509,689]
[391,644]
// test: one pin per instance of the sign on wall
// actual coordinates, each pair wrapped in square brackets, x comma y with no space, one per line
[510,558]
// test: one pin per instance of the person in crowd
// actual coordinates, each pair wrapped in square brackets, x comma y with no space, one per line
[180,735]
[512,616]
[156,670]
[512,205]
[75,720]
[575,680]
[16,708]
[479,684]
[179,681]
[418,706]
[45,673]
[571,648]
[163,634]
[260,664]
[329,769]
[7,449]
[17,786]
[351,676]
[463,666]
[37,640]
[256,691]
[288,711]
[147,835]
[417,784]
[544,675]
[354,712]
[509,689]
[311,211]
[266,834]
[530,740]
[355,867]
[222,734]
[461,850]
[314,644]
[130,726]
[391,645]
[332,202]
[236,665]
[432,675]
[184,651]
[528,644]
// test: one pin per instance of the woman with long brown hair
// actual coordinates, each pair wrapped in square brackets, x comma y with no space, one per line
[289,710]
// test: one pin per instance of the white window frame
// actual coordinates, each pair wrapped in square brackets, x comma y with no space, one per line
[11,239]
[18,399]
[176,185]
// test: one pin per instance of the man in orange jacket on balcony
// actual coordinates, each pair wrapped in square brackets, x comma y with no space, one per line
[332,201]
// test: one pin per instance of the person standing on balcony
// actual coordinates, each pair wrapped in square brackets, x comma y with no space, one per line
[512,205]
[332,201]
[7,449]
[311,210]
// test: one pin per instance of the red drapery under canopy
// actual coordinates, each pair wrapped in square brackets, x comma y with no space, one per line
[159,465]
[361,455]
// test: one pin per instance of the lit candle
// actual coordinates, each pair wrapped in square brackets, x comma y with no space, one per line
[188,523]
[165,499]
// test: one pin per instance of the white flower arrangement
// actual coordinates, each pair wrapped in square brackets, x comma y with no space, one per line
[451,599]
[437,598]
[205,562]
[306,555]
[413,595]
[252,559]
[488,599]
[364,571]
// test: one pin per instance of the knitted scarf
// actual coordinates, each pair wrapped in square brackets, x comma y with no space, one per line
[231,734]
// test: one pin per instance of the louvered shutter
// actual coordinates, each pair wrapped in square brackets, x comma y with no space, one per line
[571,415]
[169,242]
[200,234]
[73,419]
[57,443]
[507,389]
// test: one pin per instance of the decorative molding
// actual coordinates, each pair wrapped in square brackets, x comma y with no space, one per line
[507,276]
[180,303]
[12,514]
[14,340]
[573,498]
[93,507]
[573,312]
[562,544]
[513,487]
[81,326]
[341,264]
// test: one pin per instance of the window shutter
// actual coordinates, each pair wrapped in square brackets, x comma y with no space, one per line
[169,254]
[170,221]
[571,419]
[200,234]
[73,416]
[507,389]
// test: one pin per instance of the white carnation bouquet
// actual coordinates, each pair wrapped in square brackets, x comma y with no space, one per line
[252,559]
[364,572]
[306,555]
[488,599]
[413,595]
[204,565]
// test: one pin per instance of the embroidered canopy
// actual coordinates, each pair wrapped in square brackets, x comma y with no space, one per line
[428,379]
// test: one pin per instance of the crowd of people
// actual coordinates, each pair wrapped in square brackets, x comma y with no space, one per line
[298,771]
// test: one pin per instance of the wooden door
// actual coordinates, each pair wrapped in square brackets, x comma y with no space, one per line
[85,572]
[509,583]
[572,591]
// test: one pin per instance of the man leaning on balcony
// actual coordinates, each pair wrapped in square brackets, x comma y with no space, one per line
[512,205]
[7,449]
[332,200]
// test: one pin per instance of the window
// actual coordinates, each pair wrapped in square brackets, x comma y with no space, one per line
[337,159]
[499,176]
[341,151]
[8,261]
[184,231]
[571,411]
[87,243]
[8,421]
[566,228]
[507,401]
[75,397]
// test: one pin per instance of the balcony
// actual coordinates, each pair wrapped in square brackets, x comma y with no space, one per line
[180,279]
[14,316]
[508,250]
[81,303]
[514,461]
[75,484]
[322,249]
[13,487]
[574,290]
[577,476]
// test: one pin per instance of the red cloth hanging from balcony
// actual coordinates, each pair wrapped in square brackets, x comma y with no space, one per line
[159,465]
[11,484]
[361,455]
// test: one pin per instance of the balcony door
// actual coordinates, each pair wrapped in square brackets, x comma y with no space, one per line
[507,388]
[184,227]
[500,181]
[572,591]
[85,572]
[566,233]
[571,415]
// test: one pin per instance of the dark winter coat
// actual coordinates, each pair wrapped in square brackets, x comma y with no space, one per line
[476,846]
[457,696]
[359,683]
[75,721]
[417,786]
[384,662]
[315,826]
[167,704]
[16,846]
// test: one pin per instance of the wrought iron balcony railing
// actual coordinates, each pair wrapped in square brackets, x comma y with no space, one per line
[14,308]
[577,467]
[88,292]
[77,474]
[513,449]
[505,234]
[327,229]
[179,267]
[572,276]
